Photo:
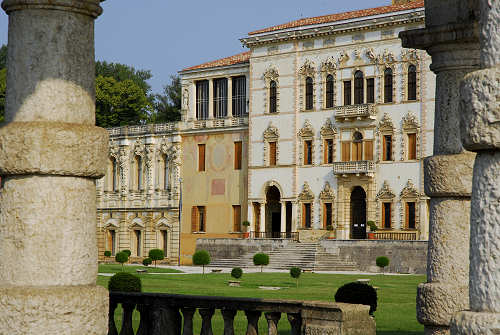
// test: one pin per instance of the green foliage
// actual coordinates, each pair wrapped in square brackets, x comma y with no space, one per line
[358,293]
[201,257]
[295,272]
[3,56]
[236,273]
[128,252]
[125,282]
[107,253]
[167,105]
[156,255]
[261,259]
[372,225]
[121,257]
[329,227]
[147,261]
[382,261]
[122,72]
[3,88]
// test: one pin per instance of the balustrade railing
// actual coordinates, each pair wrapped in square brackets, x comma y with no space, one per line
[356,111]
[396,235]
[173,314]
[354,167]
[275,234]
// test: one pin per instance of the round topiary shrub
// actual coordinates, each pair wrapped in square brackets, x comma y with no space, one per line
[382,262]
[128,252]
[201,257]
[156,255]
[236,273]
[147,261]
[125,282]
[261,259]
[107,253]
[358,293]
[295,273]
[121,257]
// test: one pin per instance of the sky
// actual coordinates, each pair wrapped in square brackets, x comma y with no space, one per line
[166,36]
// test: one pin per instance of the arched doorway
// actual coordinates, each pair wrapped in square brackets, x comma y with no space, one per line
[273,212]
[358,213]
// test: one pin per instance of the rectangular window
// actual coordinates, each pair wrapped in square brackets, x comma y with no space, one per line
[237,155]
[387,148]
[272,153]
[386,215]
[198,218]
[307,152]
[256,216]
[202,100]
[220,98]
[306,215]
[370,90]
[410,215]
[368,150]
[328,151]
[327,215]
[164,235]
[347,93]
[201,157]
[236,218]
[137,242]
[412,146]
[346,151]
[357,151]
[112,241]
[239,96]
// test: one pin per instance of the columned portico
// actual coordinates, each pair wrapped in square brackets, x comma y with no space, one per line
[48,267]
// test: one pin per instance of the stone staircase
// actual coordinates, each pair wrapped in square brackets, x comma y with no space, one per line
[307,256]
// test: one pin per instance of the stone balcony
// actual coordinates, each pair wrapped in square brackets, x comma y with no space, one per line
[216,123]
[357,167]
[161,314]
[355,112]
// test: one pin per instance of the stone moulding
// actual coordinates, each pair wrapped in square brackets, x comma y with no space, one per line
[86,7]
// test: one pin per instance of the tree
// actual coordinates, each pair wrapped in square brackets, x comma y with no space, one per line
[156,255]
[3,56]
[121,257]
[382,262]
[295,273]
[201,257]
[122,72]
[167,106]
[261,259]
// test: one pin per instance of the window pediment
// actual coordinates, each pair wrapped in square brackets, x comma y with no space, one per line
[327,193]
[307,130]
[271,133]
[306,194]
[111,224]
[163,223]
[328,130]
[385,192]
[410,122]
[271,74]
[386,123]
[329,65]
[409,55]
[137,224]
[409,191]
[307,69]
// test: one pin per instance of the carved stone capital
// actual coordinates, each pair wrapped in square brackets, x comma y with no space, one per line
[86,7]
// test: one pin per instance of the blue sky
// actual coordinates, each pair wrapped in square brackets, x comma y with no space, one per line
[165,36]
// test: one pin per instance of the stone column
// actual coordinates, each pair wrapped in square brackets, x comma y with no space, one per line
[50,155]
[480,112]
[294,216]
[262,217]
[229,97]
[211,99]
[250,217]
[283,216]
[451,40]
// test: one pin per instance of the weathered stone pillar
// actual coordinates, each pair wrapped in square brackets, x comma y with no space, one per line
[50,155]
[262,220]
[480,112]
[283,217]
[451,39]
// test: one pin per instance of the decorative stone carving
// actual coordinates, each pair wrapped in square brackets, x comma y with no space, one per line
[307,131]
[410,55]
[271,133]
[124,168]
[306,194]
[371,55]
[386,123]
[307,69]
[385,192]
[114,150]
[271,74]
[328,131]
[327,193]
[357,54]
[343,57]
[185,98]
[329,65]
[409,191]
[410,121]
[138,148]
[388,57]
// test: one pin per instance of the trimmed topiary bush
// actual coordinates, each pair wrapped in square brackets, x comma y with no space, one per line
[261,259]
[121,257]
[156,255]
[147,261]
[107,253]
[125,282]
[236,273]
[295,273]
[128,252]
[382,262]
[201,257]
[358,293]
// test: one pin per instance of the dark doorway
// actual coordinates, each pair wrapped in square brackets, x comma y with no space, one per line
[273,212]
[288,219]
[358,213]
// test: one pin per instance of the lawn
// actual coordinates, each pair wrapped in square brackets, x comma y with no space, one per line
[114,268]
[396,294]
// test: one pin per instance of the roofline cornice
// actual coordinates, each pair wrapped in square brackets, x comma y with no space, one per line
[215,68]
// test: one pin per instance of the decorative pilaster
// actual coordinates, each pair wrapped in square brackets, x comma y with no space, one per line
[453,43]
[150,154]
[283,216]
[48,199]
[480,112]
[262,217]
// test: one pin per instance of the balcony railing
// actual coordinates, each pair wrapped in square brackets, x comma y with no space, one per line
[144,129]
[396,235]
[161,314]
[356,112]
[356,167]
[217,123]
[275,234]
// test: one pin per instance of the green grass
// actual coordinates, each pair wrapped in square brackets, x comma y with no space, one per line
[396,295]
[114,268]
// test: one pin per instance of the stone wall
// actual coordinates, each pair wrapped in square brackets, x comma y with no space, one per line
[223,248]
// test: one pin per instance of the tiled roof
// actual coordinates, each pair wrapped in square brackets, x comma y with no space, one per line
[232,60]
[342,16]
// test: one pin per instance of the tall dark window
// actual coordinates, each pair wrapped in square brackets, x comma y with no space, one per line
[202,100]
[272,97]
[239,96]
[347,92]
[328,217]
[370,90]
[138,239]
[307,152]
[202,218]
[309,93]
[306,215]
[115,175]
[164,235]
[328,155]
[166,173]
[329,91]
[410,215]
[388,85]
[387,149]
[359,88]
[412,82]
[139,172]
[220,98]
[386,215]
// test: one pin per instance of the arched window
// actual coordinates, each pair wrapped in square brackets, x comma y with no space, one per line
[359,88]
[329,91]
[138,161]
[309,93]
[388,85]
[166,173]
[272,97]
[412,82]
[114,180]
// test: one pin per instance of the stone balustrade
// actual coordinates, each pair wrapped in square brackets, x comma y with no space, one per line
[396,235]
[356,112]
[357,167]
[173,314]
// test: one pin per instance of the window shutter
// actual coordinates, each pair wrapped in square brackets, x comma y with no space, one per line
[201,157]
[407,215]
[412,146]
[205,219]
[272,153]
[194,219]
[369,150]
[346,152]
[237,155]
[303,215]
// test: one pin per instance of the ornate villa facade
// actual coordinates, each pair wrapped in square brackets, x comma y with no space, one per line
[321,126]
